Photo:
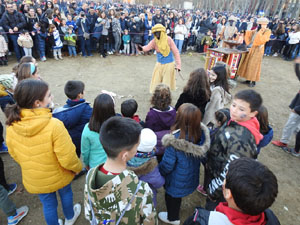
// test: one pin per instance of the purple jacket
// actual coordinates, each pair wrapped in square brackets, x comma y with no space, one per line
[148,172]
[158,120]
[160,149]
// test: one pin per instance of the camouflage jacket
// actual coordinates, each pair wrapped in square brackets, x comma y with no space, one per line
[231,142]
[110,200]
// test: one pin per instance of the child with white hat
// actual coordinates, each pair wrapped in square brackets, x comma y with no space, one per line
[144,163]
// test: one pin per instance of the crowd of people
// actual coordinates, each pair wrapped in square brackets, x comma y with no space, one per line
[128,158]
[44,28]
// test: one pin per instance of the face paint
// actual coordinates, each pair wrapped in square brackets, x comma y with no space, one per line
[243,116]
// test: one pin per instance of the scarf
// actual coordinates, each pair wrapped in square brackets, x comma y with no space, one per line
[239,218]
[162,43]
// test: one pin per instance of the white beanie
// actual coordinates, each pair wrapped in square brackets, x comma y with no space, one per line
[148,140]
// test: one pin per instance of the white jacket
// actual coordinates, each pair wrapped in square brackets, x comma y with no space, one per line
[180,31]
[294,37]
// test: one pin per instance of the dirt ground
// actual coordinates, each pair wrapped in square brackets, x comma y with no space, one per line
[130,77]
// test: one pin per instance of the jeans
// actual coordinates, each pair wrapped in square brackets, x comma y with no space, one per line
[17,50]
[179,44]
[117,38]
[27,51]
[49,202]
[268,50]
[290,127]
[7,206]
[85,46]
[127,49]
[72,50]
[2,175]
[133,48]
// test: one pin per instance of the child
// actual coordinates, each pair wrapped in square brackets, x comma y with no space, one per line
[144,163]
[3,51]
[55,42]
[71,38]
[222,116]
[92,150]
[265,129]
[207,40]
[126,42]
[42,146]
[129,108]
[180,165]
[161,115]
[113,193]
[250,189]
[41,34]
[220,95]
[196,91]
[25,41]
[239,138]
[71,22]
[76,113]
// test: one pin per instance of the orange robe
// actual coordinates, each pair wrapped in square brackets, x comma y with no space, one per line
[251,67]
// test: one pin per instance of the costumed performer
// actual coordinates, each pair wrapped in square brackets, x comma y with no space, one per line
[255,39]
[164,70]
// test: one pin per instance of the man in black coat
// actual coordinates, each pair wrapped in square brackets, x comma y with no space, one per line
[13,22]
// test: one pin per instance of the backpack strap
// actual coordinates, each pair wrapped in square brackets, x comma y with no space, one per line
[129,203]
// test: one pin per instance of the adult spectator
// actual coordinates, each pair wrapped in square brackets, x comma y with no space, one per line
[13,22]
[158,18]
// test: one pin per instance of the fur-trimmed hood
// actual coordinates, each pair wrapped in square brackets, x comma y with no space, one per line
[145,168]
[186,146]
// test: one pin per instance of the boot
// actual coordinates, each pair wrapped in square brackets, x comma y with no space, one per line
[59,56]
[55,56]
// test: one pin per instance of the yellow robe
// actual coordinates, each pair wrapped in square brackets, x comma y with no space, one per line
[251,67]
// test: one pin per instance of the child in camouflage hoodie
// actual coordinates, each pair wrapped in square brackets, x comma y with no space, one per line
[114,194]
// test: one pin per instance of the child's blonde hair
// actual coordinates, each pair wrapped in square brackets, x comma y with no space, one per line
[161,98]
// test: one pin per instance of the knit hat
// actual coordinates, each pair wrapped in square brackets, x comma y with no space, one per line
[148,140]
[263,20]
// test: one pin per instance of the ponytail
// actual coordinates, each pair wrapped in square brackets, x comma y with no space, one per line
[12,113]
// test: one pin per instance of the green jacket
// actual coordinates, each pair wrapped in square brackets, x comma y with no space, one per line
[111,198]
[71,39]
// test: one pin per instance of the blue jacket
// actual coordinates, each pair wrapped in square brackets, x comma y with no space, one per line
[85,25]
[181,163]
[266,140]
[74,115]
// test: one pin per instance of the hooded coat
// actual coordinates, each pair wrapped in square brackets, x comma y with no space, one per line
[181,162]
[44,150]
[110,199]
[158,120]
[147,170]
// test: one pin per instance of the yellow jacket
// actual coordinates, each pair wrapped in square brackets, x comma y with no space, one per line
[43,148]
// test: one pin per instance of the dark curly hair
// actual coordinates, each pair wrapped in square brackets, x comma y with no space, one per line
[161,98]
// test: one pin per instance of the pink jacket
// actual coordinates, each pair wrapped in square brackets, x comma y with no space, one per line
[173,48]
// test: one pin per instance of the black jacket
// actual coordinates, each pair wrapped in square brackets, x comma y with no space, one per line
[202,216]
[187,98]
[16,19]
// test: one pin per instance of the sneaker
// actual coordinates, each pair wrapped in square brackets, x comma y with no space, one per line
[77,210]
[3,148]
[201,190]
[21,212]
[43,59]
[12,188]
[279,143]
[275,54]
[163,216]
[291,151]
